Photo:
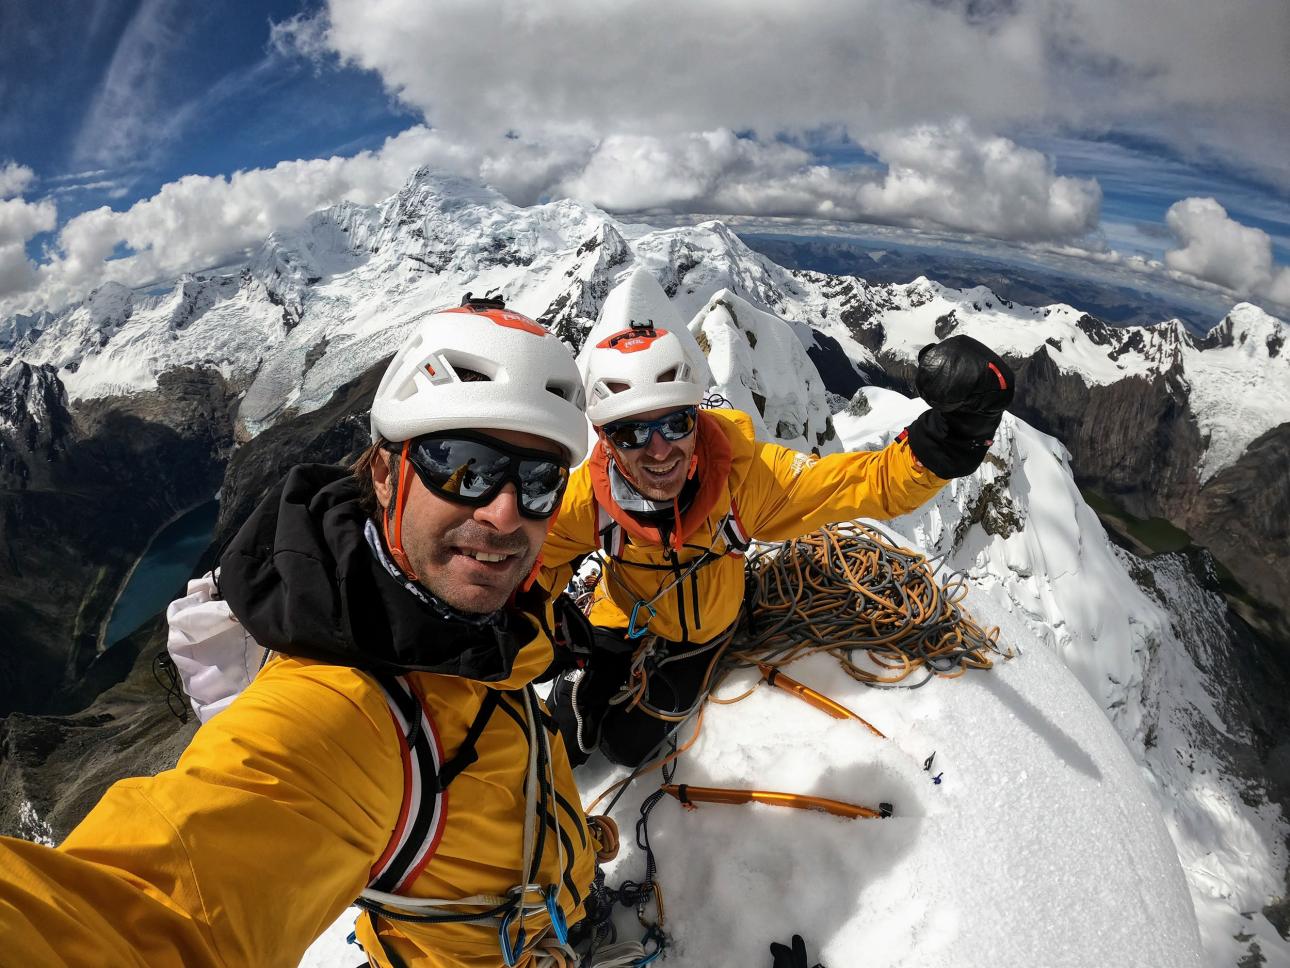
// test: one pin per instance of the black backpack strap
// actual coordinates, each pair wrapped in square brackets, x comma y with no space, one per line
[467,753]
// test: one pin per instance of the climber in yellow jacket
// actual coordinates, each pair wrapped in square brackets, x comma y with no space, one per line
[392,751]
[672,494]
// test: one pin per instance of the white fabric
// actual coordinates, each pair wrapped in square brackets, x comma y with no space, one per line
[215,656]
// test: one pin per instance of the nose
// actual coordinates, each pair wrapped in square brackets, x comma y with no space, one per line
[503,511]
[657,446]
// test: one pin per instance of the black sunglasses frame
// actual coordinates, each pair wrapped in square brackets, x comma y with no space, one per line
[515,457]
[651,427]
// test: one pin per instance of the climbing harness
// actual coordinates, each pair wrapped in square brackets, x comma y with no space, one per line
[729,532]
[527,898]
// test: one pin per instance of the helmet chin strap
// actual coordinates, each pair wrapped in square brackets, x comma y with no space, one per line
[392,519]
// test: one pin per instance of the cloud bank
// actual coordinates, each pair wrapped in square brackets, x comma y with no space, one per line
[1214,247]
[1194,73]
[726,107]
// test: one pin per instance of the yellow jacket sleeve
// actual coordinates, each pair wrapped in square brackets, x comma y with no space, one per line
[572,534]
[793,493]
[243,854]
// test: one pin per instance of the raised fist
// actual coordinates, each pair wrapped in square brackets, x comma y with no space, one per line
[968,386]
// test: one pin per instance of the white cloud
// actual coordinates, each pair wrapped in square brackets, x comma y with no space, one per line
[125,115]
[1216,248]
[673,67]
[937,177]
[198,220]
[19,221]
[14,179]
[301,35]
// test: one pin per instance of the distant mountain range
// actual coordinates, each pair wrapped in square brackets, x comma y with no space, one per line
[884,261]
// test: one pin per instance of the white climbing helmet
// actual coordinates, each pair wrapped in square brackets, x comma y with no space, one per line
[636,370]
[530,380]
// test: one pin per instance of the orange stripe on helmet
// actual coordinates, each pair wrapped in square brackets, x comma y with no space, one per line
[502,317]
[631,340]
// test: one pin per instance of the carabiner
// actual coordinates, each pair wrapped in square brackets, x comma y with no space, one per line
[558,923]
[511,953]
[658,939]
[633,632]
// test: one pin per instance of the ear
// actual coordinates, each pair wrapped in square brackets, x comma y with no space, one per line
[382,481]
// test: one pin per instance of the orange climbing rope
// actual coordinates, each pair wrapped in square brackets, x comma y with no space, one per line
[847,589]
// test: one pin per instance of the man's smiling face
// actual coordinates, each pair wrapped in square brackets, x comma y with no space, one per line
[659,469]
[471,558]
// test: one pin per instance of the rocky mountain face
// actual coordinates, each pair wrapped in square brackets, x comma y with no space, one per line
[83,487]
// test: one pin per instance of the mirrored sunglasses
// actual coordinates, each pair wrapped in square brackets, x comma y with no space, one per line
[472,469]
[634,434]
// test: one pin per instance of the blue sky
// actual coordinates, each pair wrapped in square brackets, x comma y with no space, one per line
[1020,123]
[210,96]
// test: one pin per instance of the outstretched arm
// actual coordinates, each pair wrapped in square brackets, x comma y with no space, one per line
[801,493]
[243,854]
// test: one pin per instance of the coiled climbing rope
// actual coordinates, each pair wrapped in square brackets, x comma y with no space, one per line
[847,589]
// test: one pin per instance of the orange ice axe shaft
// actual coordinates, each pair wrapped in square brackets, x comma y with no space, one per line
[690,795]
[820,701]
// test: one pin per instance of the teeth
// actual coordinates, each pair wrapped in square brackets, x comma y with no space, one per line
[485,556]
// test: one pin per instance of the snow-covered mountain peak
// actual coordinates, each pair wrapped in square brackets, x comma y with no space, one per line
[759,364]
[336,292]
[692,262]
[107,307]
[1252,330]
[430,187]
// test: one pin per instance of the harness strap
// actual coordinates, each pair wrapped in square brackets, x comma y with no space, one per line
[467,753]
[612,537]
[423,812]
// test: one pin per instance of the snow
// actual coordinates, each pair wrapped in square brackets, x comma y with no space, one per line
[340,290]
[1041,845]
[1045,843]
[1050,569]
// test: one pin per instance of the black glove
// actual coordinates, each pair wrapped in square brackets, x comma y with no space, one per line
[794,957]
[968,386]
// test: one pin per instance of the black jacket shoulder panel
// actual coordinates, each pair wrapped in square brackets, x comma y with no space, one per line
[301,578]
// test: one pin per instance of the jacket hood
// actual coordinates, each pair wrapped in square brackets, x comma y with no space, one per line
[302,579]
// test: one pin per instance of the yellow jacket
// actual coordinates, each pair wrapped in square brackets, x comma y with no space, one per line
[275,816]
[778,494]
[267,830]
